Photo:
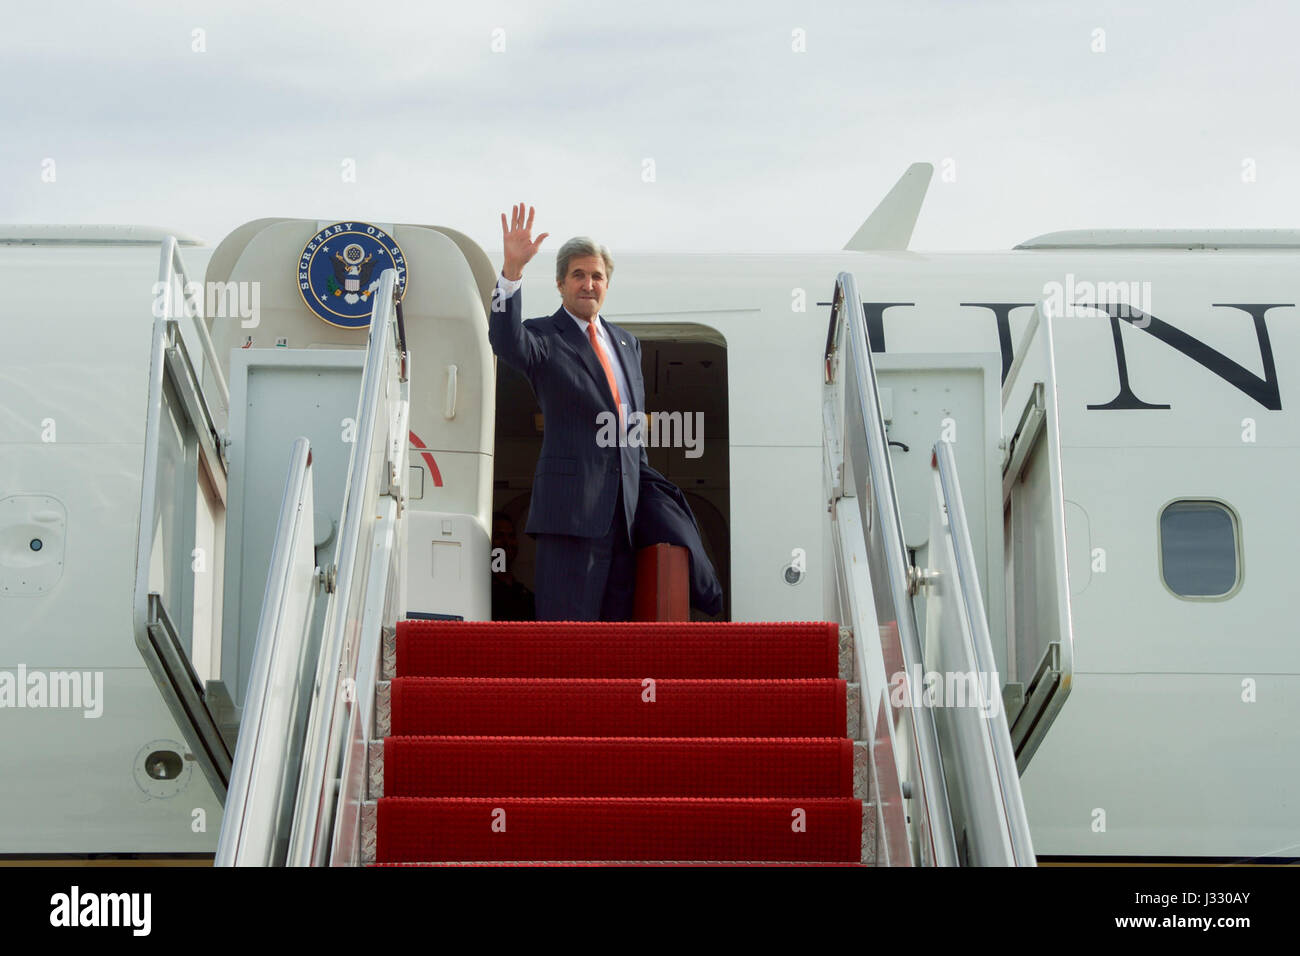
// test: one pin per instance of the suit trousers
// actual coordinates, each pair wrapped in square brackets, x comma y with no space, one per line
[587,579]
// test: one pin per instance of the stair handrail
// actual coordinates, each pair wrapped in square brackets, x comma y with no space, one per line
[992,804]
[378,620]
[865,473]
[258,814]
[171,267]
[373,474]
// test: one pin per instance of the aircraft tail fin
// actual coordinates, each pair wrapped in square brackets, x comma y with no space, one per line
[890,225]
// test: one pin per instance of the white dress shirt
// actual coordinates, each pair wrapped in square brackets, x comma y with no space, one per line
[508,287]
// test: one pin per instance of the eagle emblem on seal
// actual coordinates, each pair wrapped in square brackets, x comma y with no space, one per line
[339,269]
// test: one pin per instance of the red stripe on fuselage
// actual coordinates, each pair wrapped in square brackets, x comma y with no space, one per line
[428,460]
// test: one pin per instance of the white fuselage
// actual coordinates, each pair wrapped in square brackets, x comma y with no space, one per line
[1183,713]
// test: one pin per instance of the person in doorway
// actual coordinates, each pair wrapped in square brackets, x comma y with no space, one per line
[586,490]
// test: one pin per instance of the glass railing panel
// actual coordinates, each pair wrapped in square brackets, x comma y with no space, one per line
[865,481]
[964,689]
[371,474]
[259,808]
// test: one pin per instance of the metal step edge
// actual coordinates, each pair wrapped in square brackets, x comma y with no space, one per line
[868,834]
[388,667]
[375,769]
[370,831]
[383,709]
[846,654]
[862,770]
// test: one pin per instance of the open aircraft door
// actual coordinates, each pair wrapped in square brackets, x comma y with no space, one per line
[177,595]
[1040,651]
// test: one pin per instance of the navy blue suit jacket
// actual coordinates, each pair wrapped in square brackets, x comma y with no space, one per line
[576,483]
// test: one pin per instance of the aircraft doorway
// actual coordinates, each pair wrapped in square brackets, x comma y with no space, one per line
[685,372]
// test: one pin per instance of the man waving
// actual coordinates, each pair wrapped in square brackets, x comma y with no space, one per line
[585,491]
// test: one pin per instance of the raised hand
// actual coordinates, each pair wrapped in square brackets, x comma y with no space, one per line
[517,239]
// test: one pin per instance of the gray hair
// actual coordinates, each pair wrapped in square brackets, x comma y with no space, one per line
[580,247]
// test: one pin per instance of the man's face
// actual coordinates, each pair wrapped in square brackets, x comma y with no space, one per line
[583,289]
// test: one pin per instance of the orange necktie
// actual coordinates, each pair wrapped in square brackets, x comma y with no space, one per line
[604,363]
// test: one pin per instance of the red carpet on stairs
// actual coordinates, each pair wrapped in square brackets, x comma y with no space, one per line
[616,828]
[582,707]
[531,741]
[618,766]
[599,649]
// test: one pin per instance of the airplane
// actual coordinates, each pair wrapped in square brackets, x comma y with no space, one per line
[1040,493]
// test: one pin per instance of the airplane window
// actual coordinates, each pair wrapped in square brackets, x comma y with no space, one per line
[1198,549]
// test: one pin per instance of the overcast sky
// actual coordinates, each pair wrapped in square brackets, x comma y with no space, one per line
[755,146]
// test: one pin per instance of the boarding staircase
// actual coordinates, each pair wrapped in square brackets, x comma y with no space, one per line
[365,737]
[616,742]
